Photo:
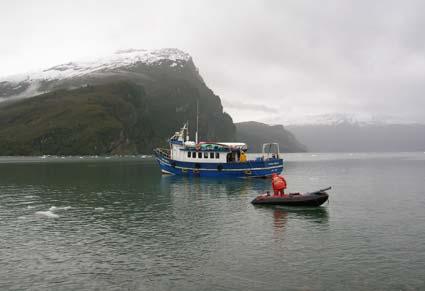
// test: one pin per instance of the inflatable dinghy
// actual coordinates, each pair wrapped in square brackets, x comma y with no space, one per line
[315,198]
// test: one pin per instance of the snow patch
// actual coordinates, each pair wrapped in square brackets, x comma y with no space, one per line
[122,58]
[360,119]
[47,214]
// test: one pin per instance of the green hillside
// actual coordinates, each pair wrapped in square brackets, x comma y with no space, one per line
[112,118]
[119,107]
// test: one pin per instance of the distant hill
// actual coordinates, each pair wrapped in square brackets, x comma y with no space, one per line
[127,103]
[357,137]
[256,133]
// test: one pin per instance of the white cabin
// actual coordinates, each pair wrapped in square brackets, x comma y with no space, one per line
[183,150]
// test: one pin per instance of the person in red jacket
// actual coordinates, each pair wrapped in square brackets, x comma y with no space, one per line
[278,184]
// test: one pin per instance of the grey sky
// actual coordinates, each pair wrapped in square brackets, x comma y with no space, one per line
[273,61]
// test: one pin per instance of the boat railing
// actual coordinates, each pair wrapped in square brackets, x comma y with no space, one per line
[271,151]
[163,152]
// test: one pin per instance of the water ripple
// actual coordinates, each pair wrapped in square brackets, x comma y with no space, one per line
[108,225]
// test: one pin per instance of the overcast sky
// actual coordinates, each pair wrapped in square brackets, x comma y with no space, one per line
[273,61]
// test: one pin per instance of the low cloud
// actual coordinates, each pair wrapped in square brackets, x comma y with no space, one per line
[249,107]
[267,60]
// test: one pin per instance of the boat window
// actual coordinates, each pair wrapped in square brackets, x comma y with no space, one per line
[188,154]
[199,155]
[217,155]
[211,155]
[193,154]
[231,157]
[205,155]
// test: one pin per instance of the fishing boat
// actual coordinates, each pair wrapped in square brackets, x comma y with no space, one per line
[215,159]
[315,198]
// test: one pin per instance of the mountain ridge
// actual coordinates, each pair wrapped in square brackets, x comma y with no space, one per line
[42,81]
[39,112]
[112,118]
[360,119]
[346,137]
[169,88]
[257,133]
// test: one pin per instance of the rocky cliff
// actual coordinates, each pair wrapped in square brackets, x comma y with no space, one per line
[126,103]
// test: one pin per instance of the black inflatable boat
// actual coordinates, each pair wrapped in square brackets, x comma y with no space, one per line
[315,198]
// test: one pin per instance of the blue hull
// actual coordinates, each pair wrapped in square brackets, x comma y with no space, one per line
[257,168]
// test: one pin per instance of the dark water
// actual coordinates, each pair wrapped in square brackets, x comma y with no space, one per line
[113,224]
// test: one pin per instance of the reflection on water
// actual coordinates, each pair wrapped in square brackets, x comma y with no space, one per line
[281,214]
[316,214]
[229,187]
[280,217]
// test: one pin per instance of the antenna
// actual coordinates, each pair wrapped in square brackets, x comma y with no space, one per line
[197,121]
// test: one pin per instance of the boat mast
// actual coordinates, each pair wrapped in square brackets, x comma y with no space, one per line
[197,121]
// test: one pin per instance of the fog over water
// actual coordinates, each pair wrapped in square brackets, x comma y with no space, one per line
[273,61]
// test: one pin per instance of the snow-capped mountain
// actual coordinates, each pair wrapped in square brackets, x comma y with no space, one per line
[360,133]
[357,119]
[76,73]
[127,103]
